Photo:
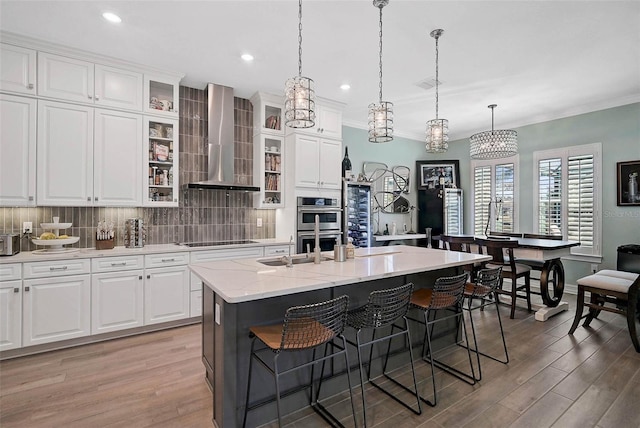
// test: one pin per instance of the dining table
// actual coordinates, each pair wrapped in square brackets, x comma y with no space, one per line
[549,253]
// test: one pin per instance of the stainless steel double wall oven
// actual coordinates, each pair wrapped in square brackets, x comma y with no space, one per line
[329,218]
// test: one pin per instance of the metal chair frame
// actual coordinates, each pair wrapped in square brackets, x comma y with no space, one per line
[446,294]
[305,327]
[496,248]
[484,289]
[384,308]
[462,244]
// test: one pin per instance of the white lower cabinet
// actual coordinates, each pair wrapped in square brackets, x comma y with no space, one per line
[57,308]
[196,303]
[10,315]
[166,294]
[117,301]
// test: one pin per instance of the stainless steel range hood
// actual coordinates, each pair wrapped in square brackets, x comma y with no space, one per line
[220,141]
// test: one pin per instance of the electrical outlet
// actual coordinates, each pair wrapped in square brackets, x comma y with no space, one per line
[27,227]
[594,268]
[259,221]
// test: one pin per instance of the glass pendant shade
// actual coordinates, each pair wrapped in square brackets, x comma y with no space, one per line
[494,144]
[380,122]
[299,103]
[437,140]
[437,136]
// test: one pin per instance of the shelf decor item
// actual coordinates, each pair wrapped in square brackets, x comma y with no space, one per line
[494,144]
[299,93]
[437,129]
[380,113]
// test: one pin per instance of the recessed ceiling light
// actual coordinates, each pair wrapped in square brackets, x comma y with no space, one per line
[247,57]
[345,86]
[112,17]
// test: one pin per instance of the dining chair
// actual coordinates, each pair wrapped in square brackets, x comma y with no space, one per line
[305,328]
[502,253]
[462,244]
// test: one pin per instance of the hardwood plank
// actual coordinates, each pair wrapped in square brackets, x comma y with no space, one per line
[543,413]
[534,389]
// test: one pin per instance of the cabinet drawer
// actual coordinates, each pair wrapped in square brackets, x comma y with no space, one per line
[166,259]
[110,264]
[10,272]
[227,254]
[279,250]
[56,268]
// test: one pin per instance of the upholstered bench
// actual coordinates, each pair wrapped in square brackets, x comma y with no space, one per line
[609,286]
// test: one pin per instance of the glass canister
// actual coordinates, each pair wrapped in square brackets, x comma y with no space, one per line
[134,233]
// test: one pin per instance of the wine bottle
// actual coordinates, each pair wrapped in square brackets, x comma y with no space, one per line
[346,164]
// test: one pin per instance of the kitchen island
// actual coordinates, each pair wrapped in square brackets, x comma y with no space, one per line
[242,293]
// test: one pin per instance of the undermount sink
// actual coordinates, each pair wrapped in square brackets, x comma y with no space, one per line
[282,261]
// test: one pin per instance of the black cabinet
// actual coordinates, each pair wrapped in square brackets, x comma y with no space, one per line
[441,210]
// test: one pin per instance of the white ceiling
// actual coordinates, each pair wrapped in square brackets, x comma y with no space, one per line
[538,60]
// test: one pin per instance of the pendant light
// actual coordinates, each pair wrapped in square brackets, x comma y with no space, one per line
[299,94]
[494,144]
[380,113]
[437,129]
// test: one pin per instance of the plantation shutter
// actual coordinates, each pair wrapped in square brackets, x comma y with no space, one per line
[550,196]
[580,199]
[481,197]
[504,214]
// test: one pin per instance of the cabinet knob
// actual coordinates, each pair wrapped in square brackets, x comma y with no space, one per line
[30,86]
[88,198]
[16,290]
[90,97]
[95,199]
[97,98]
[26,288]
[31,198]
[148,276]
[140,277]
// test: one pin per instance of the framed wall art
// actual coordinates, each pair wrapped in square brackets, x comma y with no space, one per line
[435,174]
[627,183]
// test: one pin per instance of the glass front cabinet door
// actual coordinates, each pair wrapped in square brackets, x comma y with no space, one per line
[161,137]
[161,95]
[268,167]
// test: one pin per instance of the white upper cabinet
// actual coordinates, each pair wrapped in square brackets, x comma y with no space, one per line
[82,81]
[117,160]
[328,121]
[118,88]
[65,154]
[17,151]
[17,69]
[268,113]
[65,78]
[330,157]
[318,162]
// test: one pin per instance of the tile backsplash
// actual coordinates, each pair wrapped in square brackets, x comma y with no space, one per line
[207,215]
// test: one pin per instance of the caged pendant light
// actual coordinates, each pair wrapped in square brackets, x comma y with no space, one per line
[380,113]
[494,144]
[437,140]
[299,94]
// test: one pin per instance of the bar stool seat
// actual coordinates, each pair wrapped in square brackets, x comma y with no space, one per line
[308,327]
[446,295]
[384,308]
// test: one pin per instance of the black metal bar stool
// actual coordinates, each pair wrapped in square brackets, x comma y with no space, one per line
[307,327]
[384,308]
[446,295]
[484,289]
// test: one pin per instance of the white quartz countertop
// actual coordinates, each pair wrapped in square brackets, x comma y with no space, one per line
[84,253]
[238,281]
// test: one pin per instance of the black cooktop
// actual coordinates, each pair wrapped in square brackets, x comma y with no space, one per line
[217,243]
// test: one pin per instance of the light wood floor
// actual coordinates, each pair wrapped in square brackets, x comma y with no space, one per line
[591,379]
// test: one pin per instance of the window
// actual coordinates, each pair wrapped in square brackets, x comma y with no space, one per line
[567,199]
[494,195]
